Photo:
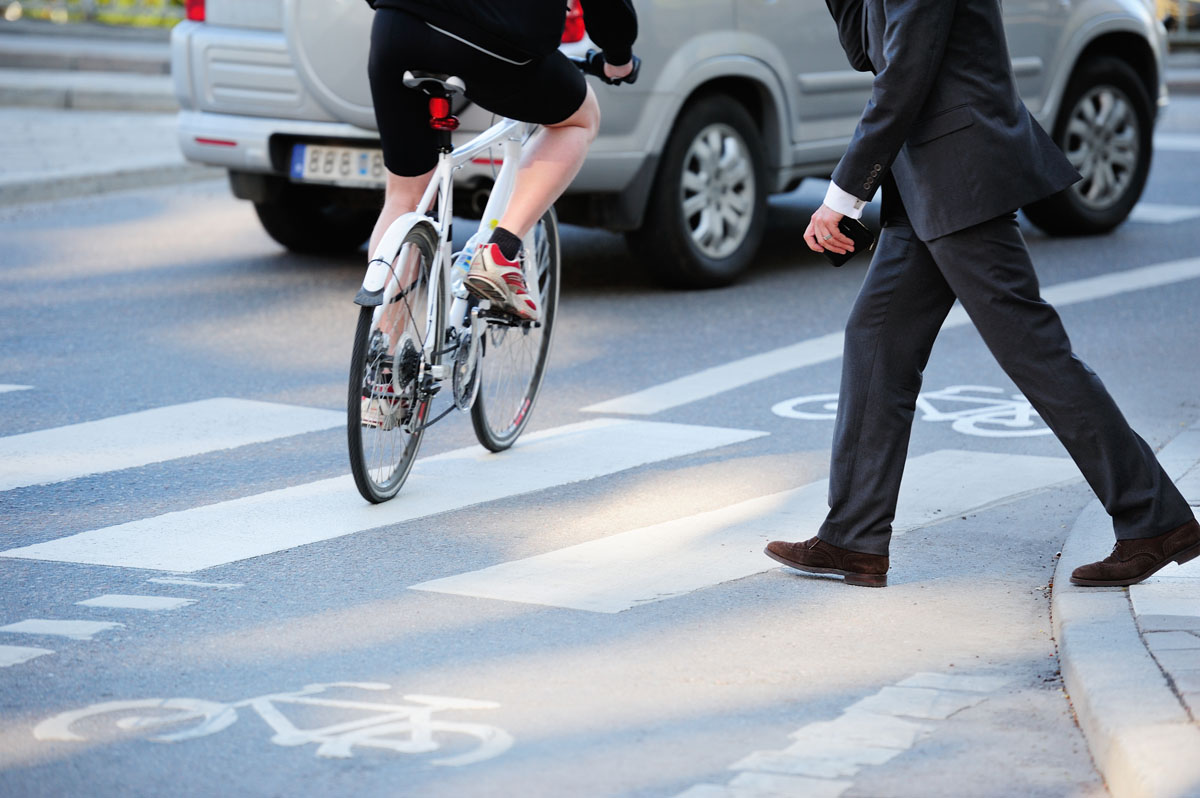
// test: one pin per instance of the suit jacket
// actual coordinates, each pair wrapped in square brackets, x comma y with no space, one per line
[944,119]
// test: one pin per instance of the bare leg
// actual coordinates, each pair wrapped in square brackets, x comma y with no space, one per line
[549,164]
[401,196]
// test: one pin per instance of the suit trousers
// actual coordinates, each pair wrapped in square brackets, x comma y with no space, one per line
[908,291]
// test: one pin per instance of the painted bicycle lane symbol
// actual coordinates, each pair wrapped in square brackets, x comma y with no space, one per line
[404,729]
[970,409]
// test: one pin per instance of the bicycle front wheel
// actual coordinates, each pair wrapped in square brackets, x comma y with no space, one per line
[513,358]
[388,405]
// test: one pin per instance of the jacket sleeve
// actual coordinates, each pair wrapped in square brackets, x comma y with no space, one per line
[848,14]
[611,24]
[914,44]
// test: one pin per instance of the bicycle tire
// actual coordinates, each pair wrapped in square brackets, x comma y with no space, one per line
[382,450]
[512,362]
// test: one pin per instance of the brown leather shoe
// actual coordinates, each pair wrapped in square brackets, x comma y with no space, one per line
[1132,561]
[815,556]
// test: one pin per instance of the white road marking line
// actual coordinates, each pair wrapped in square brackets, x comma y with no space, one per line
[676,557]
[151,436]
[738,373]
[772,785]
[15,655]
[769,785]
[1179,142]
[865,728]
[10,388]
[176,580]
[965,682]
[917,702]
[725,377]
[76,630]
[870,732]
[124,602]
[1151,213]
[204,537]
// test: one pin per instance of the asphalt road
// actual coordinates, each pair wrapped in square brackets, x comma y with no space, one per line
[658,655]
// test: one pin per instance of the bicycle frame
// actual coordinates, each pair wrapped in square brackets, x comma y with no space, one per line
[381,283]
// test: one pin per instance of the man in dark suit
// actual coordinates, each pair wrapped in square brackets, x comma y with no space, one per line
[947,138]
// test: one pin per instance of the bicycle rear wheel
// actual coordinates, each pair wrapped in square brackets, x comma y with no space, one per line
[513,358]
[387,405]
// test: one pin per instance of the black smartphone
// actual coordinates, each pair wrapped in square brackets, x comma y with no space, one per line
[859,233]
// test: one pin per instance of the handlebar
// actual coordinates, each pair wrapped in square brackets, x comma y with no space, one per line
[593,64]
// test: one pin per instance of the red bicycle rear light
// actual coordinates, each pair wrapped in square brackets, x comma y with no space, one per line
[439,107]
[574,30]
[195,10]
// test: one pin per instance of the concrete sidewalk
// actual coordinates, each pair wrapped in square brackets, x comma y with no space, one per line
[86,109]
[51,153]
[1130,657]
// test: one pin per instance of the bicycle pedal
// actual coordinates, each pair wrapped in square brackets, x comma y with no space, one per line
[507,319]
[430,386]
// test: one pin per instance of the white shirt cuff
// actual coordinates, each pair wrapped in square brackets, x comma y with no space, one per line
[844,202]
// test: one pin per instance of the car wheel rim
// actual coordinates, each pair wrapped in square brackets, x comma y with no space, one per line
[1102,141]
[717,191]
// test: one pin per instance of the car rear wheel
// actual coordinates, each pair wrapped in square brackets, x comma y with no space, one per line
[707,210]
[1105,129]
[314,222]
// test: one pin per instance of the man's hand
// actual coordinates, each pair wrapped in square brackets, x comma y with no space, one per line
[615,72]
[823,233]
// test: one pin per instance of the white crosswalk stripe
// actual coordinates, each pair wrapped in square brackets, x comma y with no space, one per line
[76,630]
[15,655]
[670,559]
[1154,213]
[126,602]
[216,534]
[151,436]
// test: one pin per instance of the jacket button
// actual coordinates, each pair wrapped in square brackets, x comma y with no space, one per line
[867,184]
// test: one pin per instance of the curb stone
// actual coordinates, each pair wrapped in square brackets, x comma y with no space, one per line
[69,185]
[1140,734]
[87,90]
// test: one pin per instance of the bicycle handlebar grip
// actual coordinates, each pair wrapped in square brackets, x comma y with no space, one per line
[593,64]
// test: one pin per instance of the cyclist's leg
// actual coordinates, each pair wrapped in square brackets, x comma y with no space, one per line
[400,41]
[550,92]
[401,195]
[549,163]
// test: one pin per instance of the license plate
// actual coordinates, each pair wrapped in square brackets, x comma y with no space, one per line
[342,166]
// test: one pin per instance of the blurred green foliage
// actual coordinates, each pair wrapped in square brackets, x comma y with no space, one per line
[141,13]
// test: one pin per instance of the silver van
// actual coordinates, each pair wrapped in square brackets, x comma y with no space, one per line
[737,99]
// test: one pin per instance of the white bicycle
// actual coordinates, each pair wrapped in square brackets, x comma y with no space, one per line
[406,729]
[416,332]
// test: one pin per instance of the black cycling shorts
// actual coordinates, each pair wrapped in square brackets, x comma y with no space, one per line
[544,91]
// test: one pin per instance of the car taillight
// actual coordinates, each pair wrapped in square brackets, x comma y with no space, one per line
[195,10]
[573,31]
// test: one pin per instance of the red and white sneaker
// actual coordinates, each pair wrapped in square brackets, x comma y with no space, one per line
[495,278]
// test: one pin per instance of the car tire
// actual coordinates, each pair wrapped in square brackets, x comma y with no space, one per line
[706,212]
[1105,127]
[314,222]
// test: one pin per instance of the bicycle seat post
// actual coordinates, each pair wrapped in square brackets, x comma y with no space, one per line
[444,122]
